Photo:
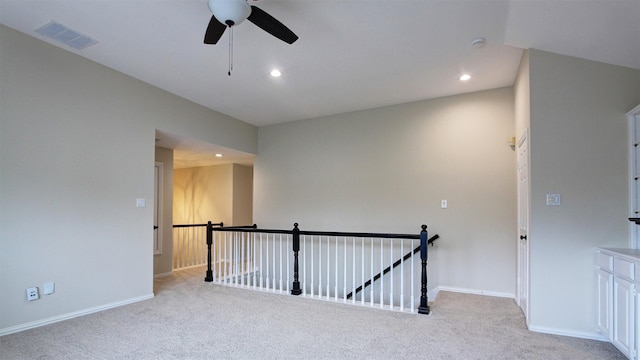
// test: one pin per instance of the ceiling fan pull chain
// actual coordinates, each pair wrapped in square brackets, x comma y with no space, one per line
[230,50]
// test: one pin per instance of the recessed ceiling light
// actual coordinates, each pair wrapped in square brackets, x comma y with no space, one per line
[465,77]
[218,155]
[275,73]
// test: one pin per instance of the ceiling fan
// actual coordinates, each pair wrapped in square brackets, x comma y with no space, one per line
[229,13]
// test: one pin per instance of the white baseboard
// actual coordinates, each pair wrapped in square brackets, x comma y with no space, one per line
[563,332]
[545,330]
[434,293]
[167,274]
[71,315]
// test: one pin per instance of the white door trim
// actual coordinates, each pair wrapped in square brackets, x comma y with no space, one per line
[523,238]
[157,208]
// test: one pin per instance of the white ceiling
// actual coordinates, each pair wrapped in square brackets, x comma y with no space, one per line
[351,55]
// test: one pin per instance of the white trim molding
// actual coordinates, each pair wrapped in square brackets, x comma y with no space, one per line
[432,294]
[71,315]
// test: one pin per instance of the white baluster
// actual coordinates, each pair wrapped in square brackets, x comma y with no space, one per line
[312,265]
[242,258]
[236,258]
[381,269]
[218,247]
[253,259]
[273,264]
[267,275]
[391,277]
[320,267]
[280,286]
[401,274]
[288,246]
[336,274]
[413,307]
[261,267]
[224,259]
[362,270]
[303,264]
[344,267]
[196,235]
[328,267]
[372,275]
[189,247]
[353,270]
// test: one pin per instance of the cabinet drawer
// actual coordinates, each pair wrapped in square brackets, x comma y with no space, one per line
[624,268]
[605,262]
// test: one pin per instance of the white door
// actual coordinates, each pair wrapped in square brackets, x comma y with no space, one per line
[523,225]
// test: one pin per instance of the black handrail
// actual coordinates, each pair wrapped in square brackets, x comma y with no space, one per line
[196,225]
[395,264]
[254,228]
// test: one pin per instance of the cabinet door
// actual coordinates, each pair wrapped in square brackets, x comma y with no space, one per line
[637,320]
[605,303]
[624,316]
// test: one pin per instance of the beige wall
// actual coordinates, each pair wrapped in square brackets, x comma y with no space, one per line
[578,143]
[242,195]
[213,193]
[386,170]
[76,151]
[162,262]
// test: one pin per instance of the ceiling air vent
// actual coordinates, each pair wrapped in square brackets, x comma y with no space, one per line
[61,33]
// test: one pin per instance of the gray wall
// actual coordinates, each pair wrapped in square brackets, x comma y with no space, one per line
[386,170]
[76,151]
[578,143]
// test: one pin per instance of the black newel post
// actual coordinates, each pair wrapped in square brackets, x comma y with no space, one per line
[209,276]
[296,248]
[424,242]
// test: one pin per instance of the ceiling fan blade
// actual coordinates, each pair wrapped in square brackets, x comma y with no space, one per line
[269,24]
[214,31]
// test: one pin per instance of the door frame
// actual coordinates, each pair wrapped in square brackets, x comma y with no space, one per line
[157,207]
[523,255]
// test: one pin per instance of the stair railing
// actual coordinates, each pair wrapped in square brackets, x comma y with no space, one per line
[189,245]
[323,264]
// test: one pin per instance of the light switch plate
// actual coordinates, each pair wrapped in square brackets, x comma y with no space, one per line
[141,203]
[49,288]
[553,199]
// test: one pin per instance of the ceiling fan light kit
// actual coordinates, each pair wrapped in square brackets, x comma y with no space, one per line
[230,12]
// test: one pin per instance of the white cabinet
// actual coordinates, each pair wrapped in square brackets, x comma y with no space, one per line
[605,303]
[623,315]
[618,302]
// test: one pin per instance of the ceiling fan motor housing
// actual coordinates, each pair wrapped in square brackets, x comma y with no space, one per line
[230,12]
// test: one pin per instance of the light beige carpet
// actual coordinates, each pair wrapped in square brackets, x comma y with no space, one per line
[191,319]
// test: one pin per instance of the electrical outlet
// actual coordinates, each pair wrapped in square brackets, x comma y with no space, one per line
[32,294]
[444,204]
